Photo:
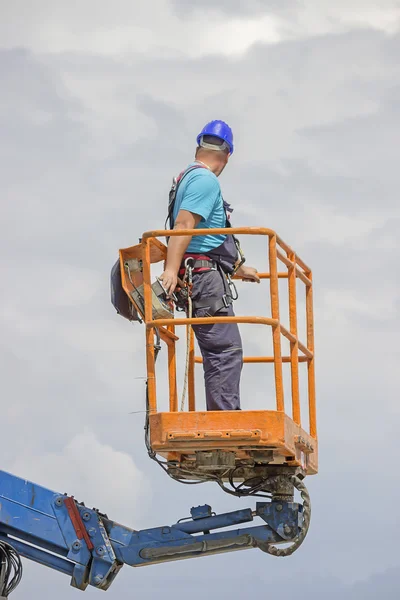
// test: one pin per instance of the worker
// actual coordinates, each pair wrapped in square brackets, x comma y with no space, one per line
[198,203]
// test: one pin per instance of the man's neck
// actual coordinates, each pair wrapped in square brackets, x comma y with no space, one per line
[212,168]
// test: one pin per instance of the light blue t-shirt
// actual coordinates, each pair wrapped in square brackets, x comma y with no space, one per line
[200,193]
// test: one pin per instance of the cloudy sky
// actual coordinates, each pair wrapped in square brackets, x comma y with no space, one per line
[100,106]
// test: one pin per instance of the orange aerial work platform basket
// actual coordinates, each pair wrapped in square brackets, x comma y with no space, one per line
[246,448]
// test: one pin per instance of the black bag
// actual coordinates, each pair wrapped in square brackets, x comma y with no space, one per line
[119,299]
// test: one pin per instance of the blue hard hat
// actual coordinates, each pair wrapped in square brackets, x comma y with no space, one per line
[218,129]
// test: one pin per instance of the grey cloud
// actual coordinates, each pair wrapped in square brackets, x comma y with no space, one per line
[74,194]
[149,588]
[238,8]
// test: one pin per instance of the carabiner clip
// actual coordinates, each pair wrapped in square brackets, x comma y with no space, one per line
[232,286]
[188,276]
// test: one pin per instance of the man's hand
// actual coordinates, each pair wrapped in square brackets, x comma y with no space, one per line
[169,279]
[248,274]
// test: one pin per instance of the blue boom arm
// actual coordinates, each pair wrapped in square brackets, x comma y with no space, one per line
[58,532]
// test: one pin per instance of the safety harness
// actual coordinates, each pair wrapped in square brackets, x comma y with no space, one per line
[202,263]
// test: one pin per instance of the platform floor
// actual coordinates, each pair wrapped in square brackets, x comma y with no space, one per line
[174,434]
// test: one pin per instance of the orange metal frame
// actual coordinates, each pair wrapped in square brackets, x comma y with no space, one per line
[176,432]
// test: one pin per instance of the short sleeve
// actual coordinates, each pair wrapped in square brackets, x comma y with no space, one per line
[200,195]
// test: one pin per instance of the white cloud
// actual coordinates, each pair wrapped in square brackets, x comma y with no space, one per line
[91,471]
[342,305]
[158,29]
[334,226]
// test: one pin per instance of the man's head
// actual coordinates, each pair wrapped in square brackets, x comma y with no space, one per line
[215,145]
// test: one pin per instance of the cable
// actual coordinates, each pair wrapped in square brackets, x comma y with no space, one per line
[252,490]
[163,464]
[282,552]
[10,569]
[189,333]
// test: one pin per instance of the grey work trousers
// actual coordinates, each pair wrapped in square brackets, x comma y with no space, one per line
[220,345]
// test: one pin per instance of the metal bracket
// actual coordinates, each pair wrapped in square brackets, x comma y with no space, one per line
[215,459]
[77,522]
[134,264]
[304,445]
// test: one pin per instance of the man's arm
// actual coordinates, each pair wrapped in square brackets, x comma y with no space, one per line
[199,199]
[177,247]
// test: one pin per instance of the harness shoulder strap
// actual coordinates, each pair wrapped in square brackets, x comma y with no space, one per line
[174,190]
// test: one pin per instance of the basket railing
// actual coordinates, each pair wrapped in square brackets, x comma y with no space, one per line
[294,268]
